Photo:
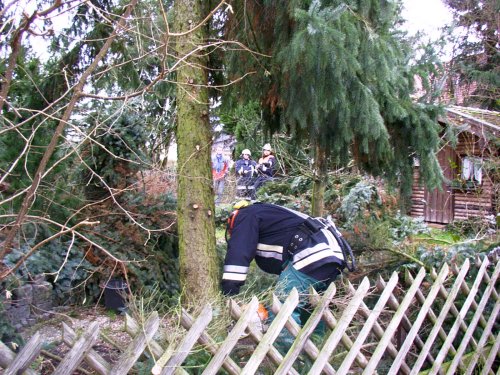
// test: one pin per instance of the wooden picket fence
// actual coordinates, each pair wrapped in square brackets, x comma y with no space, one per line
[444,323]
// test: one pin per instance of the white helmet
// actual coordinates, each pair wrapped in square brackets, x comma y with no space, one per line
[267,147]
[246,152]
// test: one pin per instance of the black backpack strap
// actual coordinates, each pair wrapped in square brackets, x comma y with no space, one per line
[344,246]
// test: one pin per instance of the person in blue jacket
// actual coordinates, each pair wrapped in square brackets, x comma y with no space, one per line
[302,250]
[246,172]
[265,167]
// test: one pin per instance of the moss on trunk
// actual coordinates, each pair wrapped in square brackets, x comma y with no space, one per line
[195,208]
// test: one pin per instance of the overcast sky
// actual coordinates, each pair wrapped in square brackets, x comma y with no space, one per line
[421,15]
[426,15]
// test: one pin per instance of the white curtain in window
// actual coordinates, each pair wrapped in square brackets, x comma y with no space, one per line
[467,168]
[472,169]
[478,170]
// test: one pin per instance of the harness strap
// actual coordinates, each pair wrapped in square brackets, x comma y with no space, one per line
[313,225]
[230,224]
[346,250]
[344,246]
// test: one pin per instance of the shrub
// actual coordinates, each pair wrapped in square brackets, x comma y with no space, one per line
[63,264]
[8,333]
[403,226]
[474,226]
[356,205]
[437,256]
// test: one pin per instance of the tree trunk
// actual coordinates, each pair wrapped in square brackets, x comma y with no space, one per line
[199,274]
[319,181]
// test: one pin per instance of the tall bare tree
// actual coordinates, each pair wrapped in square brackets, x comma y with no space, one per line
[195,199]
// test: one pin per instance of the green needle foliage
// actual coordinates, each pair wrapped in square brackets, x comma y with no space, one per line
[476,64]
[338,78]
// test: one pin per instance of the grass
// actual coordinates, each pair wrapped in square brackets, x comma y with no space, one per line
[111,314]
[220,234]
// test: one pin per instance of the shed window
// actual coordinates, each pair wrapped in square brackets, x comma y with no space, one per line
[472,169]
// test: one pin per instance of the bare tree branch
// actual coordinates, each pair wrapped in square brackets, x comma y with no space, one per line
[16,46]
[30,195]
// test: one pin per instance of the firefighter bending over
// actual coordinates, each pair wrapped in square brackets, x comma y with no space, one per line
[304,251]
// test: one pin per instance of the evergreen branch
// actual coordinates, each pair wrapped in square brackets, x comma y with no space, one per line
[18,264]
[22,153]
[156,80]
[405,255]
[16,47]
[113,193]
[362,19]
[430,238]
[65,230]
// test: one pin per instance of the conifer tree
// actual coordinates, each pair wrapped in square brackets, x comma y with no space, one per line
[338,78]
[476,63]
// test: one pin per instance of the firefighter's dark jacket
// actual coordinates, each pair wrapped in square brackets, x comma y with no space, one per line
[264,232]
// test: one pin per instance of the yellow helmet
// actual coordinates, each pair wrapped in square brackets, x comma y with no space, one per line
[241,204]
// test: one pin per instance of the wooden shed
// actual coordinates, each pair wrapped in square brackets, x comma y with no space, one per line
[471,185]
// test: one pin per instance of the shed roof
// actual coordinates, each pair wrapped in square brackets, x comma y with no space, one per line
[475,120]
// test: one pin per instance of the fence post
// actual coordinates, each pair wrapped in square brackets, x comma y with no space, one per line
[25,356]
[405,324]
[7,356]
[94,360]
[233,337]
[459,320]
[413,333]
[71,361]
[133,330]
[493,354]
[438,322]
[183,349]
[473,324]
[229,365]
[272,333]
[346,340]
[344,321]
[389,332]
[307,330]
[136,347]
[256,335]
[311,350]
[371,321]
[484,339]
